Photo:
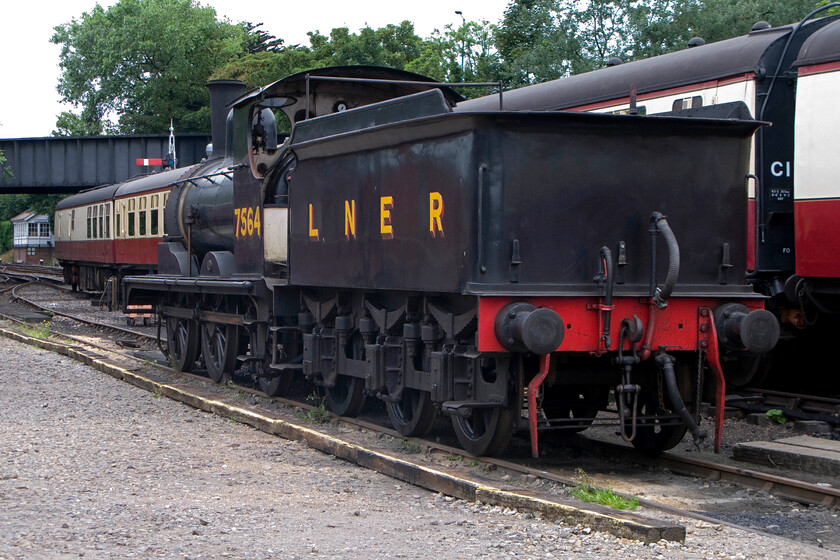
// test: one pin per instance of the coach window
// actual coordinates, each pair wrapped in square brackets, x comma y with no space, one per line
[131,217]
[687,103]
[95,222]
[101,221]
[154,213]
[72,220]
[87,221]
[107,221]
[142,218]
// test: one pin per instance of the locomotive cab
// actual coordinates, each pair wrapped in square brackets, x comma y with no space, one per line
[308,100]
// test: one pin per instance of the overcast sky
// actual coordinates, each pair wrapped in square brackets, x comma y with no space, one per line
[29,70]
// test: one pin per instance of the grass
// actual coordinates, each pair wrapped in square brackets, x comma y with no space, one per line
[587,492]
[410,447]
[776,415]
[40,330]
[319,414]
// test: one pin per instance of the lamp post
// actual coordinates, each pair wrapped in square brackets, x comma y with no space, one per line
[463,24]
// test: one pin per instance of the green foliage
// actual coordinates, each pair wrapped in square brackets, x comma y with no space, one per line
[6,236]
[41,330]
[393,46]
[715,20]
[410,447]
[319,414]
[147,61]
[540,40]
[585,491]
[776,415]
[5,170]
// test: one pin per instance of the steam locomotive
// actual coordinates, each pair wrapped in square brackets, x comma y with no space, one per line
[506,269]
[787,76]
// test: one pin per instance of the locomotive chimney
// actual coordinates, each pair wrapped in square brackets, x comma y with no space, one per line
[222,92]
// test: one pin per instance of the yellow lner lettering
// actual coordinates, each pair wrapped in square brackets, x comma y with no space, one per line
[313,232]
[386,204]
[350,219]
[435,214]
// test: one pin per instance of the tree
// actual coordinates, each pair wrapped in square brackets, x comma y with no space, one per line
[4,169]
[145,62]
[715,20]
[546,39]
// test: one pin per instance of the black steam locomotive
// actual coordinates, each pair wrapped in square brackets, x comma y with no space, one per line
[464,263]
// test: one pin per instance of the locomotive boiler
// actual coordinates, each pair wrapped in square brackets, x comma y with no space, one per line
[507,270]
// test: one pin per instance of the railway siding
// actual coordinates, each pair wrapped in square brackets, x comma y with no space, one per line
[619,524]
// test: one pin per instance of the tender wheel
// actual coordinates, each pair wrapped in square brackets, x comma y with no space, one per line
[182,343]
[581,403]
[651,435]
[487,431]
[743,371]
[219,347]
[347,397]
[414,415]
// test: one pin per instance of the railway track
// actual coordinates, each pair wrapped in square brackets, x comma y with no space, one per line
[548,471]
[793,405]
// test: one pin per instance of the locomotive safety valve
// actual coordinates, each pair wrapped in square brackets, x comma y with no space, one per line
[523,327]
[739,328]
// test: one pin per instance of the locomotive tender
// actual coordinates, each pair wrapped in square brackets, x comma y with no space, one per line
[789,77]
[464,263]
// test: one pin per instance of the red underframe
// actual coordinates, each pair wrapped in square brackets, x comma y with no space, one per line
[676,325]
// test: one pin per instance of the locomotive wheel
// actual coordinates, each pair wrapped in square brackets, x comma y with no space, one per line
[219,347]
[347,397]
[182,343]
[573,402]
[274,386]
[414,415]
[652,437]
[487,431]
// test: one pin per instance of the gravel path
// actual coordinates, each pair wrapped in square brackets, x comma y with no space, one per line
[93,467]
